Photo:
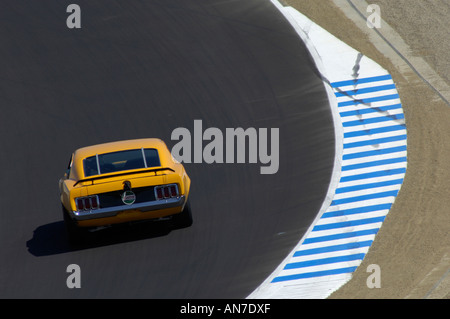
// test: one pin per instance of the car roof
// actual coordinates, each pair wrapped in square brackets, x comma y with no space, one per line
[84,152]
[92,150]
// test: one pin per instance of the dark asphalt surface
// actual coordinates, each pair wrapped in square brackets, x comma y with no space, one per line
[141,69]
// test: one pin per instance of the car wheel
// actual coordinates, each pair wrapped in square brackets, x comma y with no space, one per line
[75,234]
[183,219]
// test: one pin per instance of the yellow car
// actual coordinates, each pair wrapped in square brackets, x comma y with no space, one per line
[123,182]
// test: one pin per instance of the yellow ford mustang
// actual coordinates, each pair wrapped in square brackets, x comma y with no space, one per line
[122,182]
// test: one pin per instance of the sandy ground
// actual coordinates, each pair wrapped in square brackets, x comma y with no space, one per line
[413,246]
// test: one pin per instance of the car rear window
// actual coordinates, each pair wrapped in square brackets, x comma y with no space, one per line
[120,161]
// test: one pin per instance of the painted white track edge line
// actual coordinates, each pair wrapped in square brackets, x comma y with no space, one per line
[339,145]
[335,72]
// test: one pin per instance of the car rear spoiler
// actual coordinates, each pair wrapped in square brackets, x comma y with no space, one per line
[122,174]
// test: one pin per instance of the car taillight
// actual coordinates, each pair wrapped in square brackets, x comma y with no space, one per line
[166,191]
[173,191]
[80,204]
[94,202]
[159,193]
[87,203]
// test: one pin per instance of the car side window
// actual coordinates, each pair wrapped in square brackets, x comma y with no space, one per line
[69,166]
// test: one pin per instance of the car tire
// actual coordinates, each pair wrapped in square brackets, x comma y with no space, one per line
[183,219]
[75,234]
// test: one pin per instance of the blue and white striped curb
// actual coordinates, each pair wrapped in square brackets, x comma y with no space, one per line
[372,172]
[372,159]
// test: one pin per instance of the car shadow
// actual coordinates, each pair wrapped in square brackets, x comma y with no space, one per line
[51,239]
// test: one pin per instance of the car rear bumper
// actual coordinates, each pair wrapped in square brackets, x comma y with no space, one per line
[157,205]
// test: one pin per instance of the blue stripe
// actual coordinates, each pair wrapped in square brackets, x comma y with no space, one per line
[368,100]
[368,186]
[333,248]
[377,130]
[366,90]
[361,81]
[374,120]
[350,223]
[373,163]
[375,141]
[387,172]
[358,210]
[371,110]
[341,236]
[375,152]
[324,261]
[315,274]
[363,198]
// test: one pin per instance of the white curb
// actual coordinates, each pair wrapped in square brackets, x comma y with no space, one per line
[370,165]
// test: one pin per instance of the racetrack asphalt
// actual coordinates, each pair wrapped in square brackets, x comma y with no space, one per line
[141,69]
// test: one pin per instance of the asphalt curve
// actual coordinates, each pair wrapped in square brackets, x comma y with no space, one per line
[141,69]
